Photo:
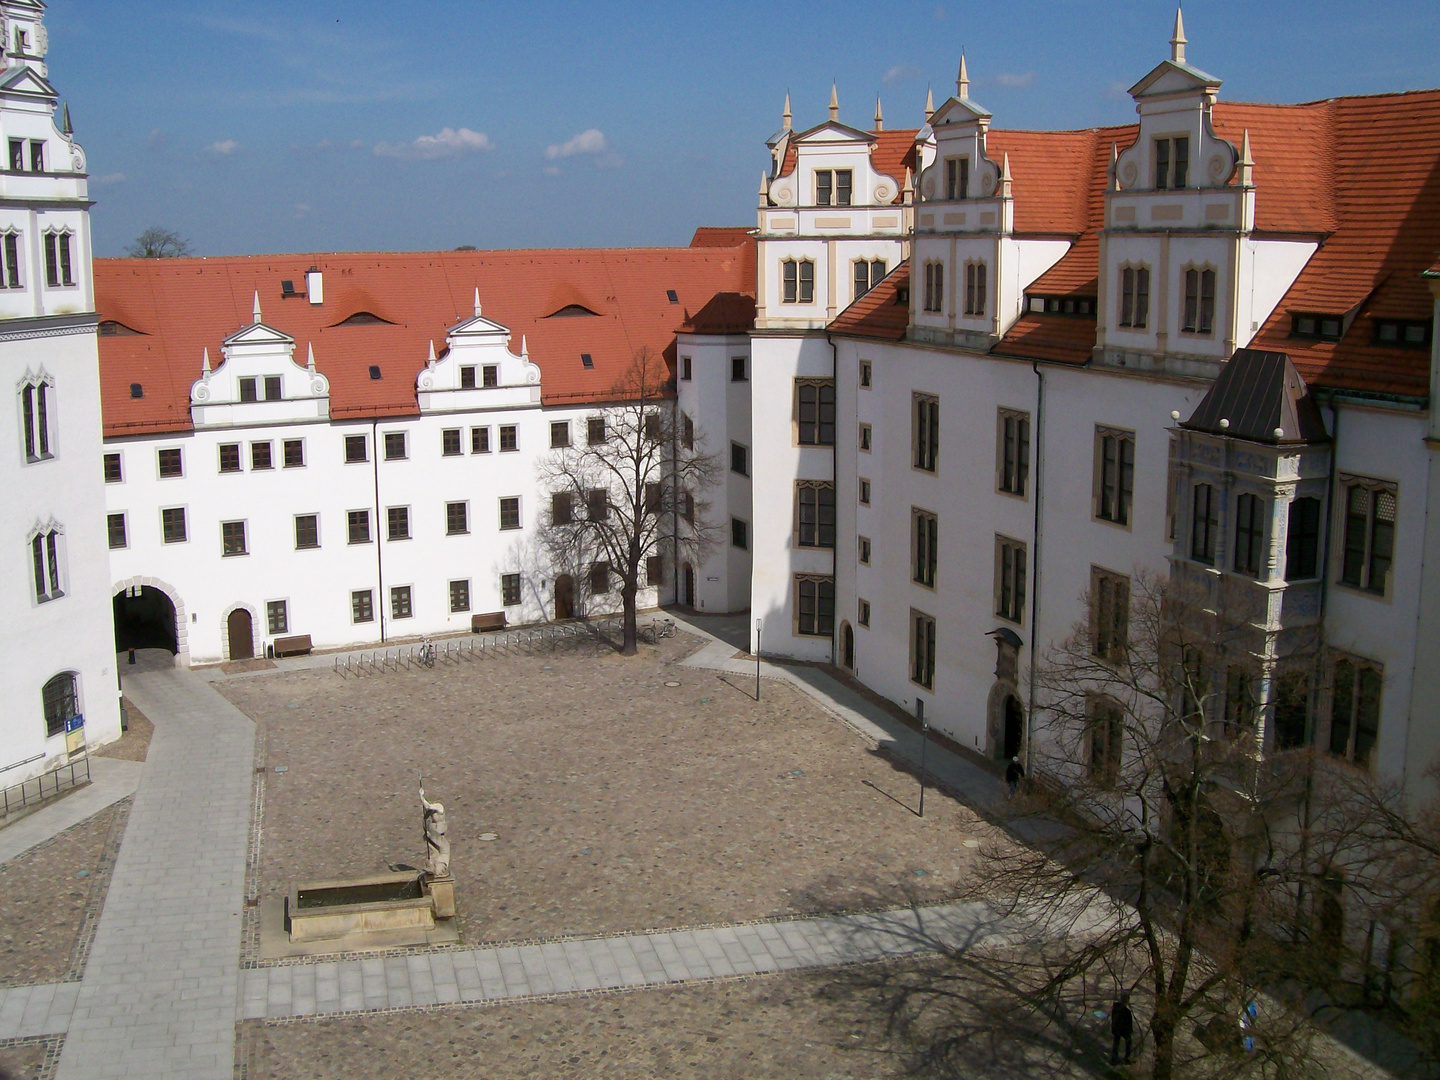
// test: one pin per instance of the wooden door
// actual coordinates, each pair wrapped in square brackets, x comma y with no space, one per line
[564,597]
[242,637]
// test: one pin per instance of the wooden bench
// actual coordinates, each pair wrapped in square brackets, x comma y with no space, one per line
[493,620]
[296,645]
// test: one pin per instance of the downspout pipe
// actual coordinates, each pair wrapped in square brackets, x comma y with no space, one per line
[1039,441]
[379,532]
[834,480]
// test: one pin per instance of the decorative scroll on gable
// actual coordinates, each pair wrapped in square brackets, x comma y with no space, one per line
[241,390]
[457,379]
[960,126]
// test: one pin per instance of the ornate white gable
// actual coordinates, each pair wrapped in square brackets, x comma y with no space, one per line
[257,353]
[456,381]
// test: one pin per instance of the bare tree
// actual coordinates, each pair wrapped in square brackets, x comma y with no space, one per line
[632,487]
[158,243]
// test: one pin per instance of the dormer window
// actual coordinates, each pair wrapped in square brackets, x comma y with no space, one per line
[1199,302]
[1403,333]
[272,387]
[1172,163]
[248,390]
[467,378]
[832,187]
[957,178]
[1320,327]
[490,375]
[1083,306]
[17,155]
[22,42]
[37,157]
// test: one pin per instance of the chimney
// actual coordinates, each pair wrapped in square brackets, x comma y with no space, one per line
[315,285]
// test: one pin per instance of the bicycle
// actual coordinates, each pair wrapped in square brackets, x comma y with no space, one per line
[426,655]
[658,629]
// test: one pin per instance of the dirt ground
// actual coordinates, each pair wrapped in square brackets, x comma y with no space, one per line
[23,1061]
[135,743]
[616,802]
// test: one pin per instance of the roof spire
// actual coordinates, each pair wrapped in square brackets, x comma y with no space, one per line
[257,306]
[834,103]
[524,347]
[764,189]
[310,359]
[1005,176]
[879,116]
[1177,42]
[65,126]
[431,358]
[1247,163]
[962,81]
[785,116]
[205,363]
[929,104]
[477,301]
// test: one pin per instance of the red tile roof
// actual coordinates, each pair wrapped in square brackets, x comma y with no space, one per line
[880,313]
[179,307]
[1066,339]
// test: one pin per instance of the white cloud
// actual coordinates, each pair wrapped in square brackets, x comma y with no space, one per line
[1014,81]
[899,72]
[223,148]
[447,143]
[109,178]
[587,142]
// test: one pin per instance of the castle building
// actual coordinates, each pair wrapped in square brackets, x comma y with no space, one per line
[57,657]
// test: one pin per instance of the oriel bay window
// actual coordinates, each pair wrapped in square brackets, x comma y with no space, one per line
[1249,535]
[1369,535]
[1302,540]
[815,409]
[797,281]
[815,514]
[1204,523]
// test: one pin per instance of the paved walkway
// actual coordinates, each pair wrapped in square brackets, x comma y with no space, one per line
[111,779]
[158,998]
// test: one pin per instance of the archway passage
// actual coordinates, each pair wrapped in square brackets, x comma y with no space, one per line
[144,620]
[1014,727]
[242,635]
[564,597]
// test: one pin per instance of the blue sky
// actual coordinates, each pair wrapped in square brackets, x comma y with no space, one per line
[357,125]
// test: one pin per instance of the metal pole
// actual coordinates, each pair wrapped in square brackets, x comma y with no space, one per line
[924,743]
[757,658]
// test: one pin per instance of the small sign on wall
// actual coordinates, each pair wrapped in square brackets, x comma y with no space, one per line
[74,734]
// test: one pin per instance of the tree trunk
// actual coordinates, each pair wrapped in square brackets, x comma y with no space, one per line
[1163,1029]
[628,646]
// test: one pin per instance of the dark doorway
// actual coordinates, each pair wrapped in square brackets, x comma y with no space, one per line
[242,635]
[1014,727]
[689,585]
[847,646]
[564,597]
[144,619]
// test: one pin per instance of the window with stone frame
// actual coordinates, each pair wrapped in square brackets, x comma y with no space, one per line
[60,702]
[976,288]
[397,523]
[925,432]
[934,287]
[833,187]
[490,376]
[1012,458]
[814,605]
[249,390]
[797,281]
[362,608]
[597,504]
[559,433]
[229,457]
[459,595]
[1302,540]
[600,579]
[1104,740]
[1109,615]
[655,570]
[277,617]
[1355,690]
[36,419]
[450,442]
[595,430]
[467,377]
[509,512]
[815,513]
[293,451]
[509,590]
[1369,541]
[1204,523]
[863,554]
[400,602]
[260,457]
[1249,554]
[924,545]
[115,531]
[358,524]
[739,534]
[114,474]
[815,412]
[1199,313]
[922,649]
[739,459]
[172,525]
[687,431]
[957,178]
[12,262]
[1172,163]
[867,274]
[457,518]
[1114,474]
[1010,574]
[232,538]
[395,449]
[509,438]
[862,612]
[562,508]
[307,531]
[1134,297]
[357,449]
[479,440]
[171,463]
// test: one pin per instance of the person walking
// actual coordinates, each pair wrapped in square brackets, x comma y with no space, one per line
[1014,773]
[1122,1026]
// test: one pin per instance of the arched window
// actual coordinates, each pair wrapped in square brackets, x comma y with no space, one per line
[47,559]
[1199,301]
[12,261]
[61,700]
[37,399]
[59,265]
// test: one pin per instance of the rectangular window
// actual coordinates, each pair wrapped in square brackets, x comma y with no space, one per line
[358,524]
[926,438]
[1105,741]
[467,378]
[1292,711]
[924,532]
[737,369]
[654,499]
[460,592]
[1302,540]
[479,440]
[357,449]
[113,474]
[115,527]
[1114,474]
[864,550]
[37,157]
[655,570]
[362,606]
[172,525]
[815,409]
[597,504]
[272,387]
[861,269]
[653,430]
[815,606]
[171,463]
[12,261]
[509,438]
[807,281]
[824,187]
[294,451]
[685,368]
[975,288]
[600,579]
[400,602]
[1199,301]
[561,508]
[1239,700]
[687,431]
[1204,524]
[307,531]
[559,433]
[277,617]
[789,282]
[260,456]
[864,492]
[510,512]
[862,613]
[17,155]
[397,523]
[395,446]
[739,459]
[1355,709]
[934,286]
[45,552]
[922,649]
[450,442]
[52,265]
[490,375]
[509,590]
[1162,164]
[866,374]
[815,514]
[1014,451]
[595,431]
[1369,535]
[1010,579]
[1109,614]
[957,178]
[248,391]
[457,518]
[739,534]
[1182,162]
[1249,535]
[229,457]
[67,275]
[1134,297]
[864,438]
[232,538]
[842,187]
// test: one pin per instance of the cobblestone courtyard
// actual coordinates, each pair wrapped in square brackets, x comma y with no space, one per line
[618,801]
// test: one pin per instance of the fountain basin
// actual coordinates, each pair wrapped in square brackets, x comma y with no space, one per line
[382,903]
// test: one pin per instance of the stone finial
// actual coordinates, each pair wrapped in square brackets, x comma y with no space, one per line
[879,116]
[1005,179]
[205,362]
[477,301]
[962,81]
[524,347]
[908,191]
[310,357]
[929,104]
[785,117]
[257,306]
[1247,163]
[834,103]
[431,358]
[65,127]
[1177,42]
[764,189]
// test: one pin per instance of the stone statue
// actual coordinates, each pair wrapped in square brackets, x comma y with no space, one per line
[437,844]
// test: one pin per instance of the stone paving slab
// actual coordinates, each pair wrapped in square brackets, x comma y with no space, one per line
[111,780]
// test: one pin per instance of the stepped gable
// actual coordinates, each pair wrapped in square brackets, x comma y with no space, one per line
[177,308]
[1256,395]
[881,313]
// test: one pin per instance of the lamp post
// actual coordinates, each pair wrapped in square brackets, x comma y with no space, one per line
[924,743]
[757,658]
